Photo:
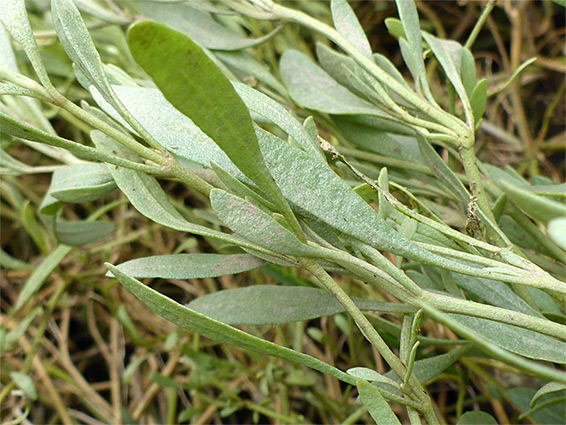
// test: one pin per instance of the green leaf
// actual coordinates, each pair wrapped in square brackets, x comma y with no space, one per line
[384,63]
[376,404]
[537,207]
[348,26]
[266,107]
[168,126]
[518,340]
[494,293]
[78,44]
[550,415]
[245,64]
[270,304]
[189,266]
[25,383]
[7,56]
[395,28]
[335,64]
[80,183]
[556,230]
[442,50]
[478,99]
[551,387]
[313,88]
[468,71]
[476,418]
[252,223]
[15,19]
[314,187]
[199,323]
[410,20]
[371,376]
[78,233]
[441,170]
[42,272]
[197,88]
[427,369]
[199,26]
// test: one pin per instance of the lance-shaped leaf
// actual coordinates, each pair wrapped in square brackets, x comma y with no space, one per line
[414,44]
[252,223]
[79,183]
[14,16]
[199,323]
[196,87]
[348,26]
[199,25]
[190,266]
[441,49]
[270,304]
[376,404]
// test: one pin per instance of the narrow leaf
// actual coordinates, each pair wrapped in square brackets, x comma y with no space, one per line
[410,20]
[314,187]
[313,88]
[25,383]
[189,266]
[441,170]
[199,26]
[468,71]
[80,183]
[478,100]
[197,88]
[551,387]
[249,221]
[517,340]
[199,323]
[537,207]
[441,49]
[270,304]
[15,19]
[476,418]
[348,26]
[78,233]
[42,272]
[376,404]
[266,107]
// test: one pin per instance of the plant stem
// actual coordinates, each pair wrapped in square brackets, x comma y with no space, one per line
[365,326]
[479,24]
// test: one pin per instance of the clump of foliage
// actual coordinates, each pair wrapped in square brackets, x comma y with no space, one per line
[351,183]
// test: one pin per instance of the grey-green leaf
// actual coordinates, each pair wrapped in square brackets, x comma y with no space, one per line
[15,19]
[198,25]
[199,323]
[42,272]
[537,207]
[376,404]
[252,223]
[441,49]
[478,99]
[414,47]
[78,233]
[270,304]
[476,418]
[549,388]
[314,187]
[313,88]
[190,266]
[518,340]
[197,88]
[83,182]
[348,26]
[441,170]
